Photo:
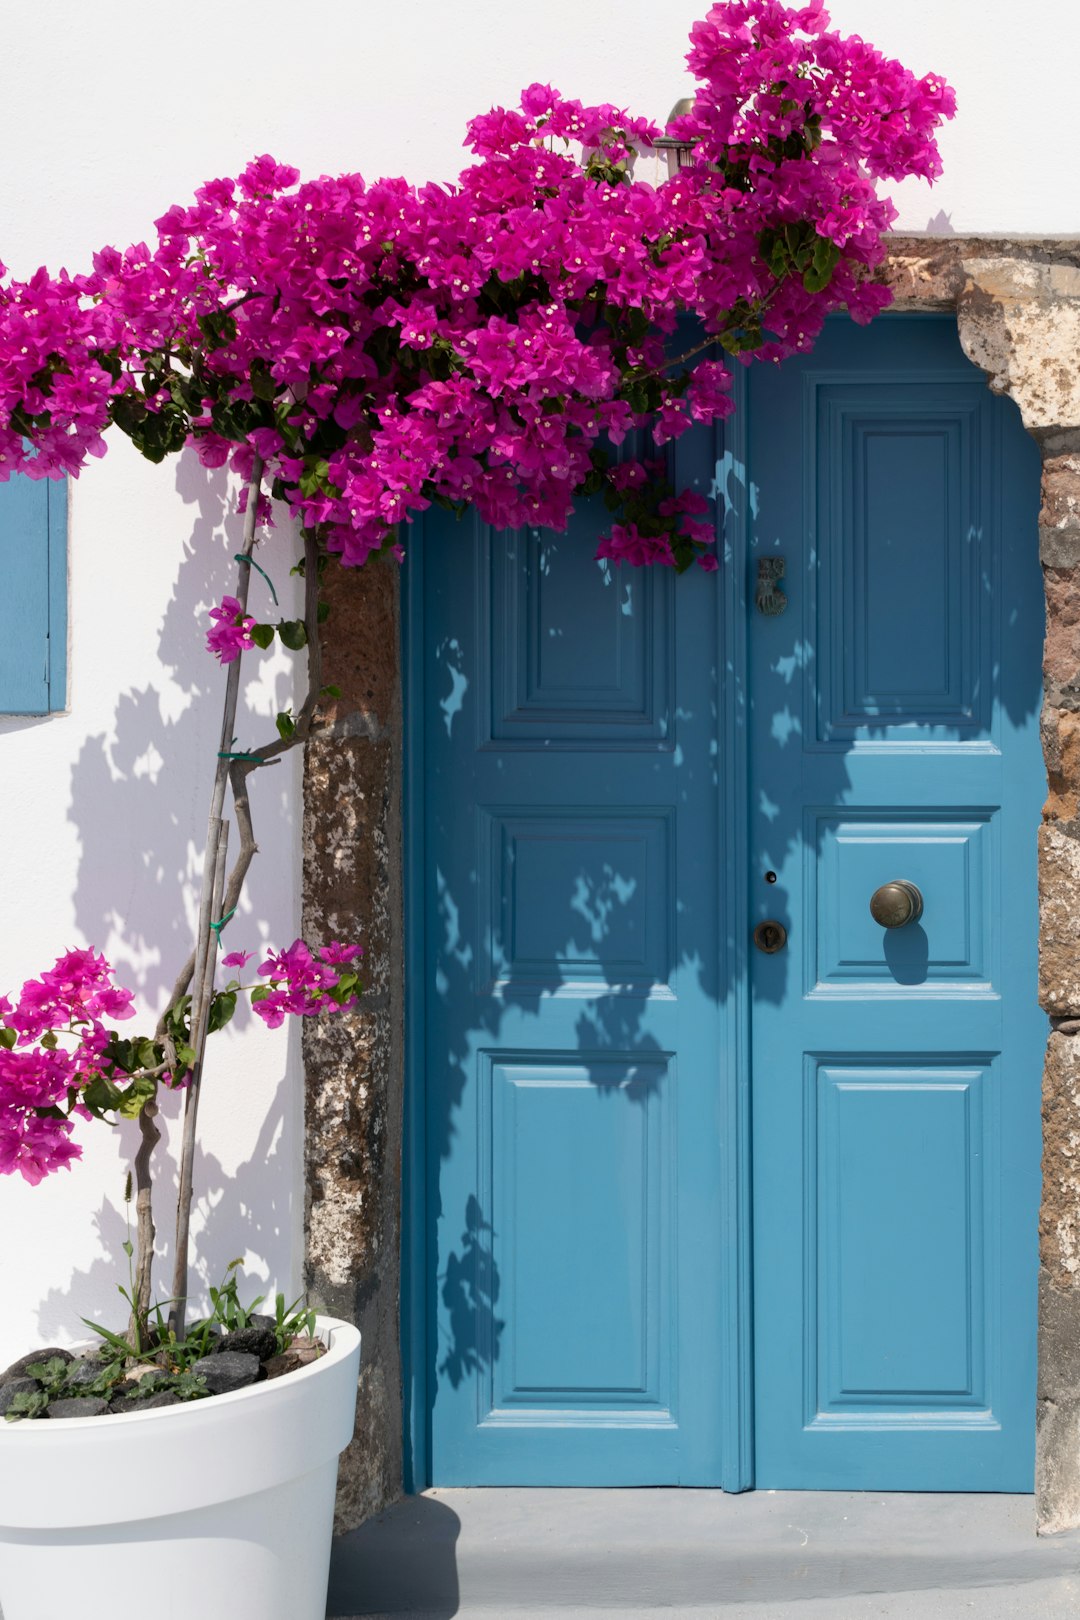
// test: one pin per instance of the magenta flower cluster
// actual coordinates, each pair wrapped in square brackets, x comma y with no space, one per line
[301,983]
[230,633]
[53,1042]
[60,1061]
[503,342]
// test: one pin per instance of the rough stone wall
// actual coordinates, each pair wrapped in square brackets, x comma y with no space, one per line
[1058,1450]
[1018,307]
[353,1064]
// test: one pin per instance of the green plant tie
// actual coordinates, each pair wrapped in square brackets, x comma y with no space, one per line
[219,925]
[249,562]
[228,753]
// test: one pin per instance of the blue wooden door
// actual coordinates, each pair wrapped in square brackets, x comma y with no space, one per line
[573,1057]
[896,1072]
[615,776]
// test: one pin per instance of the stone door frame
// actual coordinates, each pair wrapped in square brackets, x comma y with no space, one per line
[1017,304]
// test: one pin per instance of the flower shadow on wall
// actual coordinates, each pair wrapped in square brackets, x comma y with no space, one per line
[138,802]
[248,1209]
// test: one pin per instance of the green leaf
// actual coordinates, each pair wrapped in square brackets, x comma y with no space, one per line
[826,257]
[263,385]
[262,635]
[100,1095]
[128,411]
[177,1016]
[286,726]
[816,280]
[221,1009]
[137,1095]
[260,993]
[323,612]
[331,691]
[50,1373]
[27,1405]
[185,1054]
[293,634]
[121,1054]
[218,328]
[8,1037]
[148,1054]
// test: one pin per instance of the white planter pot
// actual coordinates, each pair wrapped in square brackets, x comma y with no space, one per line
[220,1508]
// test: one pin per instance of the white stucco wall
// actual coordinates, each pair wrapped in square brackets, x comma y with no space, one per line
[111,113]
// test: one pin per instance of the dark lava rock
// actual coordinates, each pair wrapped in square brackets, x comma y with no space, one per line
[81,1373]
[17,1368]
[227,1370]
[164,1397]
[16,1386]
[260,1342]
[150,1403]
[77,1407]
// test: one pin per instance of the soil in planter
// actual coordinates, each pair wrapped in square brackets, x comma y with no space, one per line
[52,1383]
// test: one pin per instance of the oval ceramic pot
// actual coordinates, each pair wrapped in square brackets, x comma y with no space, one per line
[221,1508]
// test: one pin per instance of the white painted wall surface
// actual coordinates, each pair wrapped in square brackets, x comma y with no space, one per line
[111,113]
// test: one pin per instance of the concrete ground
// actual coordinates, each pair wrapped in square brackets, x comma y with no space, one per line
[768,1555]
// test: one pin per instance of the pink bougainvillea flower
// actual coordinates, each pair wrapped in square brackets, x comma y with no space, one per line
[301,984]
[54,1044]
[230,635]
[627,544]
[383,346]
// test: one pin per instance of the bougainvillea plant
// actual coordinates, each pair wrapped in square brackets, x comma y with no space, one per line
[360,350]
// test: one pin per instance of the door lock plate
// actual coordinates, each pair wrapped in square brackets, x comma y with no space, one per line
[770,936]
[768,597]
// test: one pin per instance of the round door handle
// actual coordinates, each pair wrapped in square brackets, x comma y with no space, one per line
[896,904]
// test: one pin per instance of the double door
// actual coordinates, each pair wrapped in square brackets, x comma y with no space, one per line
[703,1205]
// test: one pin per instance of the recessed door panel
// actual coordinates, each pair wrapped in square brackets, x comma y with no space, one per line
[580,652]
[949,854]
[900,483]
[564,1139]
[896,1285]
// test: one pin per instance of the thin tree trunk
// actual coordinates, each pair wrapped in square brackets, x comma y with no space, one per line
[209,914]
[217,903]
[200,1018]
[149,1136]
[198,970]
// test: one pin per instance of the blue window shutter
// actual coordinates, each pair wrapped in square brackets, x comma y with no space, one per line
[33,596]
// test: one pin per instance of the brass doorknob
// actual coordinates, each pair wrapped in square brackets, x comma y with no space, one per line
[896,904]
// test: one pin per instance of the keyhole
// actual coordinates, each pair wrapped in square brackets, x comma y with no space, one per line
[770,877]
[770,936]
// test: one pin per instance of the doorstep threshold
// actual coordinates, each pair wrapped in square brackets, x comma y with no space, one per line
[576,1554]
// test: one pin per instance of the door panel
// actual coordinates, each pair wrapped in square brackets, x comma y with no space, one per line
[574,1065]
[895,1071]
